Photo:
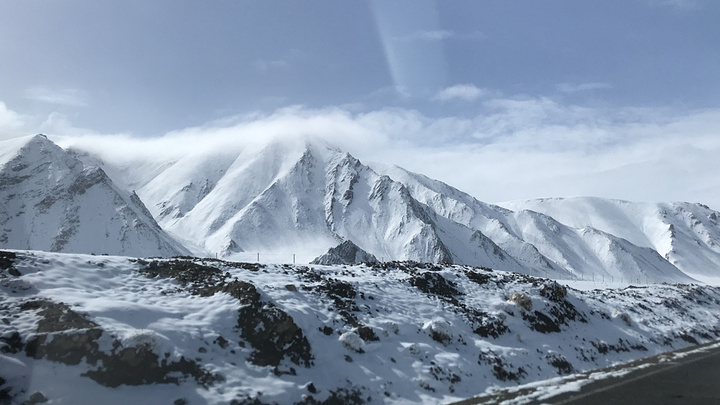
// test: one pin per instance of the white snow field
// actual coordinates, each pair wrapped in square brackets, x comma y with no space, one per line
[86,329]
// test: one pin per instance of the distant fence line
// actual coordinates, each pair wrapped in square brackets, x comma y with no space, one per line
[601,278]
[275,258]
[293,258]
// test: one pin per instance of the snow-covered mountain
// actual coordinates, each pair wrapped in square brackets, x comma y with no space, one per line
[541,242]
[49,200]
[687,235]
[302,195]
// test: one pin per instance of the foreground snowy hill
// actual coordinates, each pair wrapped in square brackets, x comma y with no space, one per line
[687,235]
[82,329]
[304,196]
[49,200]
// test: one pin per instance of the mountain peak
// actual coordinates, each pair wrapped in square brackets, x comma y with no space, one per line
[302,195]
[52,201]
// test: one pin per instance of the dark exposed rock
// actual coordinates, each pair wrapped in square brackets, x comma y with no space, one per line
[345,253]
[70,347]
[272,333]
[36,398]
[478,278]
[341,396]
[57,317]
[435,284]
[540,322]
[63,336]
[139,365]
[186,272]
[68,337]
[89,177]
[250,401]
[5,393]
[553,291]
[366,333]
[440,336]
[560,363]
[564,312]
[12,343]
[487,325]
[501,370]
[222,342]
[688,338]
[621,346]
[343,295]
[6,263]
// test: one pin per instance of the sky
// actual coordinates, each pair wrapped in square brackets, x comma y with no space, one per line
[502,99]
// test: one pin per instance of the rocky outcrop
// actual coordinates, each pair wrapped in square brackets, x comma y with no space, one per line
[345,253]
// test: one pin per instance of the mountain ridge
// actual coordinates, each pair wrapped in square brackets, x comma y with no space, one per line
[671,229]
[52,201]
[308,196]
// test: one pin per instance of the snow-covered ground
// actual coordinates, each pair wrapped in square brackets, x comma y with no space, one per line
[83,329]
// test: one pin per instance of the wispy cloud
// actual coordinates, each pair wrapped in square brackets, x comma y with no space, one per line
[578,87]
[263,65]
[63,97]
[393,91]
[60,124]
[9,119]
[432,35]
[284,61]
[677,4]
[513,148]
[12,123]
[465,92]
[440,35]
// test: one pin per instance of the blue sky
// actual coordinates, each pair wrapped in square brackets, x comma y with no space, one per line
[491,86]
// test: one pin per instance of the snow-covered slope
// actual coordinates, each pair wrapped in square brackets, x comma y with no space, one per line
[541,242]
[50,200]
[687,235]
[82,329]
[299,196]
[304,196]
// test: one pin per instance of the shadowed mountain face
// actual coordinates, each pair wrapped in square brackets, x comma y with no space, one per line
[52,201]
[305,196]
[345,253]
